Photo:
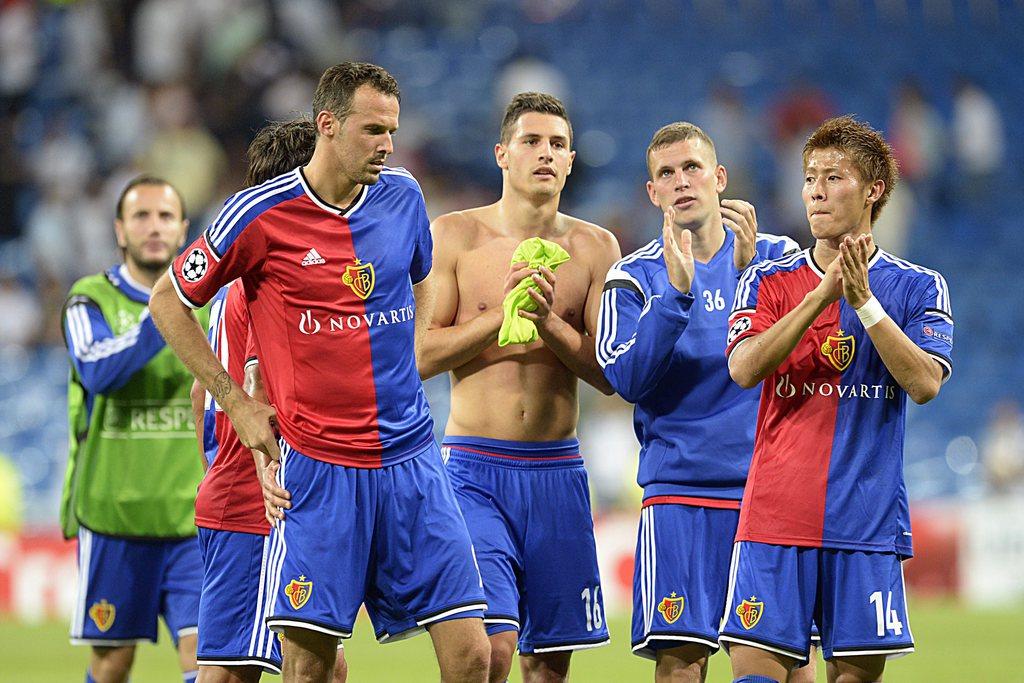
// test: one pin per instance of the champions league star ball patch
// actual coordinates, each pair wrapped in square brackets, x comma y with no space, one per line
[195,266]
[739,327]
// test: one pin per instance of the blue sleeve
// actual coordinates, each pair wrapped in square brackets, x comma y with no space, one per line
[423,245]
[105,362]
[636,334]
[771,247]
[930,321]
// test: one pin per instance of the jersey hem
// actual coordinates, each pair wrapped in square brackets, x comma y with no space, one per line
[268,665]
[375,462]
[112,642]
[129,537]
[693,501]
[586,644]
[277,624]
[763,645]
[446,612]
[641,649]
[889,652]
[824,544]
[256,530]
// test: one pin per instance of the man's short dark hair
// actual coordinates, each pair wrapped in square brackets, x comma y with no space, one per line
[870,153]
[526,102]
[339,83]
[146,179]
[279,147]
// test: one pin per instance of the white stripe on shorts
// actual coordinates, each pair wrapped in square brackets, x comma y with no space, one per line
[734,566]
[84,557]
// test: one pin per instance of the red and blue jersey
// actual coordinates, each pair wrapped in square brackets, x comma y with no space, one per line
[230,498]
[330,299]
[663,351]
[828,456]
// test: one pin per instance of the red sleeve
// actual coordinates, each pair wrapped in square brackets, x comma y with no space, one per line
[198,273]
[755,313]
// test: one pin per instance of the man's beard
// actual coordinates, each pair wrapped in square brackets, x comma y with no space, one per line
[148,264]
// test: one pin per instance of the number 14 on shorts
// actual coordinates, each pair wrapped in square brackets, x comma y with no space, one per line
[886,619]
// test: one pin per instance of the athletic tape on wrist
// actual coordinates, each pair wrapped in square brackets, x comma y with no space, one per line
[871,313]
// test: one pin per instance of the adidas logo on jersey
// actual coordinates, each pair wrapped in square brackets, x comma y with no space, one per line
[313,258]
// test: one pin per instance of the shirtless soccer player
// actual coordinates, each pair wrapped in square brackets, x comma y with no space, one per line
[510,443]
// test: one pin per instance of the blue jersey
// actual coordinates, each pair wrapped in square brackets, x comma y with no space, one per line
[330,297]
[664,352]
[831,419]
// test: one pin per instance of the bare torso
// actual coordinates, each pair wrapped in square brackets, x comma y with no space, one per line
[519,392]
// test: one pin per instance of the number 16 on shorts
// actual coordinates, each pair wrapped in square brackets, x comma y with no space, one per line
[592,606]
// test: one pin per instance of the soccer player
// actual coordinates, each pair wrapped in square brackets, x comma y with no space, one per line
[334,258]
[234,642]
[664,318]
[510,443]
[132,469]
[840,335]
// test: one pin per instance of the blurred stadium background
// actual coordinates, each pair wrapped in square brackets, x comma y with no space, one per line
[92,92]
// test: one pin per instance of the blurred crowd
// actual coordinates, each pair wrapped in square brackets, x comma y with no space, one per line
[94,92]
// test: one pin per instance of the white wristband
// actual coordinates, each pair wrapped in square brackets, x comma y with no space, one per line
[871,312]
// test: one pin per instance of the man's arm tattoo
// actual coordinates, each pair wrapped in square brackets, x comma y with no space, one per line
[221,386]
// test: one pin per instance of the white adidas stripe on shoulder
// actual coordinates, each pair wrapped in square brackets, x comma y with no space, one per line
[399,171]
[942,289]
[217,235]
[241,197]
[747,278]
[651,250]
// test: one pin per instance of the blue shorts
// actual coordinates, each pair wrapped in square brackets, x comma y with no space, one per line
[527,505]
[391,537]
[681,576]
[124,585]
[857,599]
[234,605]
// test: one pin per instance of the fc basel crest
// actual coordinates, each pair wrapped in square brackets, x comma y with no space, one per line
[750,612]
[838,348]
[360,278]
[298,591]
[103,614]
[671,608]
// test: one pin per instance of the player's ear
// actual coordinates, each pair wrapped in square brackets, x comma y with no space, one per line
[119,233]
[721,178]
[326,123]
[572,158]
[876,191]
[184,232]
[501,156]
[650,193]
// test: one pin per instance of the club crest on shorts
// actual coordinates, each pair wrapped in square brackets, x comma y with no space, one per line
[361,278]
[671,608]
[838,349]
[103,614]
[298,591]
[750,612]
